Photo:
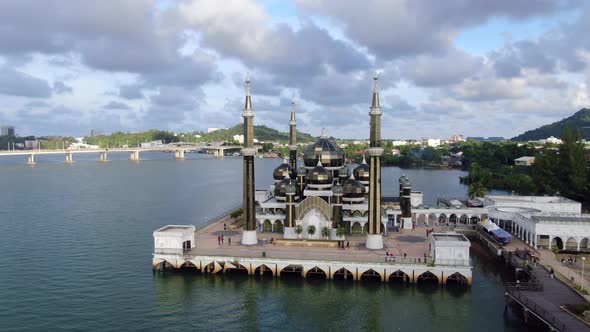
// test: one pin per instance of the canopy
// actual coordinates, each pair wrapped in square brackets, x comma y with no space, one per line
[488,225]
[502,234]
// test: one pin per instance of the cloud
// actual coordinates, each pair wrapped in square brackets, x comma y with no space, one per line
[60,88]
[130,91]
[393,29]
[18,83]
[115,105]
[449,68]
[490,89]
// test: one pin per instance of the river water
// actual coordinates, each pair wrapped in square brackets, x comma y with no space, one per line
[77,241]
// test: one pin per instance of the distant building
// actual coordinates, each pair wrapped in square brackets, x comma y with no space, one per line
[239,139]
[152,144]
[210,130]
[524,161]
[94,133]
[551,140]
[7,131]
[399,143]
[431,142]
[32,144]
[457,138]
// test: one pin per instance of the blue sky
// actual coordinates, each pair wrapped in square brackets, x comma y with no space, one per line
[477,68]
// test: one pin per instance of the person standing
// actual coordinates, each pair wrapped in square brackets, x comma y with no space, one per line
[218,240]
[229,241]
[552,273]
[222,239]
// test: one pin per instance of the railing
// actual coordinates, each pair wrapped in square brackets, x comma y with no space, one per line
[537,310]
[409,260]
[216,218]
[453,262]
[525,286]
[169,251]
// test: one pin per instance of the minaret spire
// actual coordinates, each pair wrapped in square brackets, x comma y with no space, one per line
[374,237]
[248,151]
[293,142]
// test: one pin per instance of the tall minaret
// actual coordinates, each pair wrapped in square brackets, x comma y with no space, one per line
[374,237]
[248,151]
[293,142]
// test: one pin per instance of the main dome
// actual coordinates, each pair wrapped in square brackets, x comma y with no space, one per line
[328,153]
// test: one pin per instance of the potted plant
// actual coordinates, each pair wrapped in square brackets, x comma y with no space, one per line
[325,232]
[311,230]
[299,230]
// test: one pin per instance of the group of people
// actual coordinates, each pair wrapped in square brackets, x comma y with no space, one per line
[343,244]
[570,261]
[221,240]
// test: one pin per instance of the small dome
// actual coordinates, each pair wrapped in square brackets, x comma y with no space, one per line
[290,189]
[328,153]
[407,183]
[337,189]
[402,179]
[319,175]
[343,173]
[362,172]
[281,187]
[353,189]
[301,171]
[282,171]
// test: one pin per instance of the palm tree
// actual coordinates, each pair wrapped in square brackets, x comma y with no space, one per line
[476,189]
[299,230]
[311,230]
[325,232]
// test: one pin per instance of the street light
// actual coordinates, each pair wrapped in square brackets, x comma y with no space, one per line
[583,280]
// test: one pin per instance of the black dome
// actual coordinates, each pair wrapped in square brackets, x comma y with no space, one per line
[362,172]
[319,175]
[281,187]
[282,171]
[353,189]
[330,154]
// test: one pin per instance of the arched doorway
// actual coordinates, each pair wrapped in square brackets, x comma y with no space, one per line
[427,278]
[267,226]
[278,227]
[371,275]
[453,219]
[456,279]
[571,244]
[557,242]
[584,243]
[399,277]
[357,229]
[464,219]
[263,270]
[442,219]
[315,273]
[432,219]
[291,271]
[343,274]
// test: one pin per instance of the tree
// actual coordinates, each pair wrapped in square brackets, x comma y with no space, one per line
[477,189]
[340,231]
[545,173]
[311,230]
[266,147]
[325,232]
[299,230]
[573,171]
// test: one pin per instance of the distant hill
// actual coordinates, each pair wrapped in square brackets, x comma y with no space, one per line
[261,133]
[580,120]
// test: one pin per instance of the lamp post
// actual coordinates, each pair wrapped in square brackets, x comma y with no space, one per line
[583,280]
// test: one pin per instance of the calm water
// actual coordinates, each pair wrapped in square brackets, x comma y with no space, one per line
[76,254]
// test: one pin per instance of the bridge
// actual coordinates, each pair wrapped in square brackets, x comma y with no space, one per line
[134,152]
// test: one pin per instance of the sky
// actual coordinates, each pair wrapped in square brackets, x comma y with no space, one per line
[476,68]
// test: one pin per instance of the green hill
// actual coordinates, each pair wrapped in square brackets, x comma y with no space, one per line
[261,133]
[580,120]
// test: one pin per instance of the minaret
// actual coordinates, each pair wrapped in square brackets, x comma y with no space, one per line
[289,230]
[293,142]
[406,203]
[248,151]
[374,237]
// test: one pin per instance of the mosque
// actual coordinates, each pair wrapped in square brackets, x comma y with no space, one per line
[322,195]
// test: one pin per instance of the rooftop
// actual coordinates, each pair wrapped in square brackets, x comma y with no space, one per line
[583,219]
[533,199]
[449,237]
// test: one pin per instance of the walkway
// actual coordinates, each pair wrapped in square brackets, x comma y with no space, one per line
[548,259]
[547,302]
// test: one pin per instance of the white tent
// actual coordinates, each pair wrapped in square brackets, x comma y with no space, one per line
[488,225]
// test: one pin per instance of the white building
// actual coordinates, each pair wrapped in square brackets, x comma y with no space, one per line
[399,142]
[239,139]
[450,249]
[524,161]
[542,222]
[174,239]
[552,140]
[152,144]
[210,130]
[431,142]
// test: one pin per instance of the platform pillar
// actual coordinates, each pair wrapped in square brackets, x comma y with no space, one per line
[31,160]
[69,158]
[104,157]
